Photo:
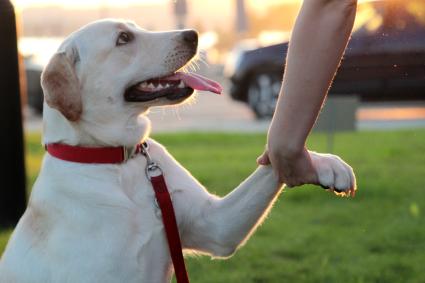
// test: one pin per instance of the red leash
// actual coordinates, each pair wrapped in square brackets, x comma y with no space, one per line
[170,225]
[117,155]
[155,175]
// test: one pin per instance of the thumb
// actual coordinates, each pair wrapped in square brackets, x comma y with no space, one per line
[263,159]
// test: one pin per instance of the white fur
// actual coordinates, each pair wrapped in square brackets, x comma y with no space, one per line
[99,223]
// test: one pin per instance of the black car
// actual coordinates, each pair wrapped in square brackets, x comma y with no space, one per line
[34,91]
[385,60]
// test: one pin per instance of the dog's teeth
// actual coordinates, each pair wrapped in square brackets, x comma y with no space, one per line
[181,84]
[159,86]
[167,85]
[150,85]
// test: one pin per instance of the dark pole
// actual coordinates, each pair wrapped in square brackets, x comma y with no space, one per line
[241,18]
[180,12]
[12,169]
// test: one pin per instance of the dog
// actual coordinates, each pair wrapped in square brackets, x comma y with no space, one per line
[99,222]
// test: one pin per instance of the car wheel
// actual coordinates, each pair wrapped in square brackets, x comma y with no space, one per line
[263,91]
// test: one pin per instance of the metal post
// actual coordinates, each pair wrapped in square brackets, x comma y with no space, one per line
[241,18]
[180,12]
[12,169]
[331,126]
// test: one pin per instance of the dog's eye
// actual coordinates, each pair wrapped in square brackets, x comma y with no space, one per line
[124,38]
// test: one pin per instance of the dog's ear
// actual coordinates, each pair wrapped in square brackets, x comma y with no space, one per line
[61,87]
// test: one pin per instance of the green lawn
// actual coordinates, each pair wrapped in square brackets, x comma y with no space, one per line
[311,235]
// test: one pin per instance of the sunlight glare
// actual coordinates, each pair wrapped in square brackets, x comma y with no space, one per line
[85,3]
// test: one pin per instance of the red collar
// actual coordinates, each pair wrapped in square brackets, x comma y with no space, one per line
[100,155]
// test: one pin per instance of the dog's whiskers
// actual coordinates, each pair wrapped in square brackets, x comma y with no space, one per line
[194,64]
[184,69]
[201,57]
[176,113]
[203,61]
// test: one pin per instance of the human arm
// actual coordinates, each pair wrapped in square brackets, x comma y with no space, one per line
[318,41]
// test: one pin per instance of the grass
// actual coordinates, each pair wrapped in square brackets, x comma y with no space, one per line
[311,235]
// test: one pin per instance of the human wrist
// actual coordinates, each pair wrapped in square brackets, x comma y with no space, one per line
[287,148]
[284,144]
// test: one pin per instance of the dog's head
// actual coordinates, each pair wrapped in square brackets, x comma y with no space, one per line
[108,73]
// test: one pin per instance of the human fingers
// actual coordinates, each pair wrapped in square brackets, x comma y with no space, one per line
[264,159]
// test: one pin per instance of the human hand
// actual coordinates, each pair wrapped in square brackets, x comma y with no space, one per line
[307,167]
[292,169]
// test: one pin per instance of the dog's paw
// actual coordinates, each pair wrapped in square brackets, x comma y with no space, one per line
[334,174]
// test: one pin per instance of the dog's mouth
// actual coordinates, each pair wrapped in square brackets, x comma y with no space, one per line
[173,87]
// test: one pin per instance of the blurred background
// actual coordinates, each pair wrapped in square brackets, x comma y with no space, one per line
[374,118]
[243,44]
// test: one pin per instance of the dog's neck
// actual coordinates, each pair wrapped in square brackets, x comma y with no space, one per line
[57,129]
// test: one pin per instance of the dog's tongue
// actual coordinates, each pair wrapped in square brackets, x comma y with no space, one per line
[197,82]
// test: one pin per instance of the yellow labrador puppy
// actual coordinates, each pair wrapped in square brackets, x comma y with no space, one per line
[99,222]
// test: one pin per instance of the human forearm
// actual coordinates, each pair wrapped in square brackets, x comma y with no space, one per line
[318,41]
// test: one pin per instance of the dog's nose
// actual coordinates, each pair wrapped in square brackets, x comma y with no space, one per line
[190,37]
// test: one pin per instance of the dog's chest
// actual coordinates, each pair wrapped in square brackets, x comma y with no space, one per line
[110,227]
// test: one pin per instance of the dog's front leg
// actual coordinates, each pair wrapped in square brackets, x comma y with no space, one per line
[223,224]
[218,226]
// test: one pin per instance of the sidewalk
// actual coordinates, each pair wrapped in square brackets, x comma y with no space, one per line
[211,113]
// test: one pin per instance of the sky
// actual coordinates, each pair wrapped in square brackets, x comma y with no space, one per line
[84,3]
[206,12]
[96,3]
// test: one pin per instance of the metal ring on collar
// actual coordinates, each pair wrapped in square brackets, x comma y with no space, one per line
[153,170]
